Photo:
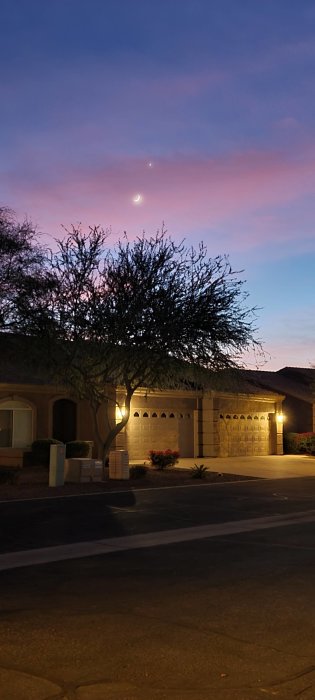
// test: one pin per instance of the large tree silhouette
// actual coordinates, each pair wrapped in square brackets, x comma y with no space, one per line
[24,274]
[145,313]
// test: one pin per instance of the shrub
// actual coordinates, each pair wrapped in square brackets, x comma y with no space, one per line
[162,459]
[77,448]
[299,443]
[137,471]
[198,471]
[9,475]
[41,451]
[290,443]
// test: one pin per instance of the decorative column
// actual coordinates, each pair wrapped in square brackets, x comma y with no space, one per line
[279,429]
[209,436]
[198,447]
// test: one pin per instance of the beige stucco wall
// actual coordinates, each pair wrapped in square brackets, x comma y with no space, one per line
[41,399]
[194,430]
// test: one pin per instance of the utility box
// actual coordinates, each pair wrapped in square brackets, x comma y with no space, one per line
[119,464]
[79,469]
[57,465]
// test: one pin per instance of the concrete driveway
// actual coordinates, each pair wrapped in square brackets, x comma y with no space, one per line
[269,467]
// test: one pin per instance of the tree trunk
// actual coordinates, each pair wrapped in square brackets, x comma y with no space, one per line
[99,441]
[117,429]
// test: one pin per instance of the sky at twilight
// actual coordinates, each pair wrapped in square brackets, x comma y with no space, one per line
[205,109]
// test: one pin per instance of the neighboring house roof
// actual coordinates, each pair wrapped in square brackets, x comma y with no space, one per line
[304,374]
[298,382]
[241,382]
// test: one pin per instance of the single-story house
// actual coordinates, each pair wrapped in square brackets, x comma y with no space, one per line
[237,419]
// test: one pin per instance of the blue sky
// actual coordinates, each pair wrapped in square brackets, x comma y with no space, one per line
[205,109]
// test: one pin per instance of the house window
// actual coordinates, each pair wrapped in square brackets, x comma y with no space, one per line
[15,424]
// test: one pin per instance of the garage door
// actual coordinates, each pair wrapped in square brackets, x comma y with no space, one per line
[159,429]
[244,434]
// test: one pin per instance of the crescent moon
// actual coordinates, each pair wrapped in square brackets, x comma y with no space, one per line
[137,198]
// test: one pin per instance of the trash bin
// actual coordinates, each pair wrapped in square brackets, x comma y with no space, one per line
[119,464]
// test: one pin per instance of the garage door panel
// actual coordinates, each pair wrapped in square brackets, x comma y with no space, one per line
[244,435]
[150,431]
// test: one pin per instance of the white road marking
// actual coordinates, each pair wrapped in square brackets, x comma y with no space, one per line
[77,550]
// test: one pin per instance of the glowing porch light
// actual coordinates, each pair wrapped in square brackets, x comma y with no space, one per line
[280,417]
[120,412]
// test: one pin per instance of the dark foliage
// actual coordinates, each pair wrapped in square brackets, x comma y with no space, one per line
[198,471]
[77,448]
[41,451]
[148,313]
[24,274]
[138,471]
[161,459]
[299,443]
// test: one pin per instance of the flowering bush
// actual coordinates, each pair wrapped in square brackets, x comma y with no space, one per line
[299,443]
[160,459]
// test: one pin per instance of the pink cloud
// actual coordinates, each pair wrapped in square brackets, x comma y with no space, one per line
[186,85]
[287,123]
[236,194]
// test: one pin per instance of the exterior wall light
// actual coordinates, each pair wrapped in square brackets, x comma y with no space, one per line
[279,417]
[120,412]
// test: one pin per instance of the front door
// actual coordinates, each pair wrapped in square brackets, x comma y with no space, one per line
[64,420]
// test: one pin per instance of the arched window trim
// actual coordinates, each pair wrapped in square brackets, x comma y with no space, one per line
[15,435]
[10,404]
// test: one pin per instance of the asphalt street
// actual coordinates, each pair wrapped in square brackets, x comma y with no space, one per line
[48,522]
[231,617]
